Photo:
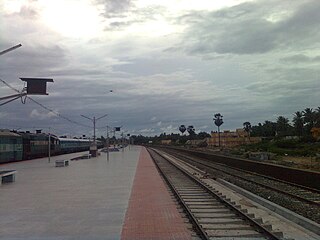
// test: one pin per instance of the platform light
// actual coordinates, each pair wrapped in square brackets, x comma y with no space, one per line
[37,86]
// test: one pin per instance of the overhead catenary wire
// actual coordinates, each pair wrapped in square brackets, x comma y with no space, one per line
[45,107]
[57,114]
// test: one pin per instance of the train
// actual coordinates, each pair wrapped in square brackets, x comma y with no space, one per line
[17,146]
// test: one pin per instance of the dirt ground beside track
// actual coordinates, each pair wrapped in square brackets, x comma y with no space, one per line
[310,163]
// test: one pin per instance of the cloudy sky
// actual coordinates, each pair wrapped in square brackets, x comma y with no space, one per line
[168,62]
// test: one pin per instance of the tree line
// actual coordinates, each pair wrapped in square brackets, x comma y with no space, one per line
[173,137]
[301,125]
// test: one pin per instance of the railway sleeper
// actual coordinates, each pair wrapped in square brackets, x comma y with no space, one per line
[190,199]
[210,204]
[210,210]
[220,221]
[205,206]
[211,226]
[197,200]
[236,233]
[196,197]
[232,238]
[194,194]
[217,215]
[193,191]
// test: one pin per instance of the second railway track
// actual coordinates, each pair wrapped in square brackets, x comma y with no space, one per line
[302,200]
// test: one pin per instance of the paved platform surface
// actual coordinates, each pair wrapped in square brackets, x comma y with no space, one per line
[86,200]
[152,213]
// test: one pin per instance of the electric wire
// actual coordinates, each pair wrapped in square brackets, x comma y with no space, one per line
[46,108]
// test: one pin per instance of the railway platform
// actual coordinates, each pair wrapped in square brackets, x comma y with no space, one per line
[152,212]
[123,197]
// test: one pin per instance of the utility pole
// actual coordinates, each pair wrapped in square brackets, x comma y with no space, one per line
[129,140]
[49,147]
[93,148]
[122,141]
[108,143]
[94,129]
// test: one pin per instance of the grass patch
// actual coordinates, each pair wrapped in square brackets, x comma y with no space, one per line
[285,147]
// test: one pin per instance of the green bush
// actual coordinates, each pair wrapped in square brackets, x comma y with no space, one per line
[285,147]
[290,143]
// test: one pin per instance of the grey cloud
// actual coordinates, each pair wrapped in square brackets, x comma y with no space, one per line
[244,29]
[115,8]
[28,11]
[170,87]
[136,15]
[255,38]
[33,61]
[305,20]
[144,67]
[287,80]
[300,58]
[120,25]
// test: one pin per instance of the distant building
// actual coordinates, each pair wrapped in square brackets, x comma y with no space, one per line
[315,133]
[232,138]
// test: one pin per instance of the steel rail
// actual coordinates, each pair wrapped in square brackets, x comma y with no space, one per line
[303,177]
[302,199]
[258,174]
[195,222]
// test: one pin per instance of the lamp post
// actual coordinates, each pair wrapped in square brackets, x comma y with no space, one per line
[108,142]
[123,139]
[93,147]
[129,140]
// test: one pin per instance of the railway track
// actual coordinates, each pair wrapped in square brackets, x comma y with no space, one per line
[300,199]
[212,215]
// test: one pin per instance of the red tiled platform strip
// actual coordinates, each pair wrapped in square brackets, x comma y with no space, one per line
[152,213]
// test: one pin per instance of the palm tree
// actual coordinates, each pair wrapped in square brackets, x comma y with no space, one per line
[269,128]
[190,130]
[218,121]
[247,127]
[282,126]
[309,117]
[182,129]
[298,123]
[317,120]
